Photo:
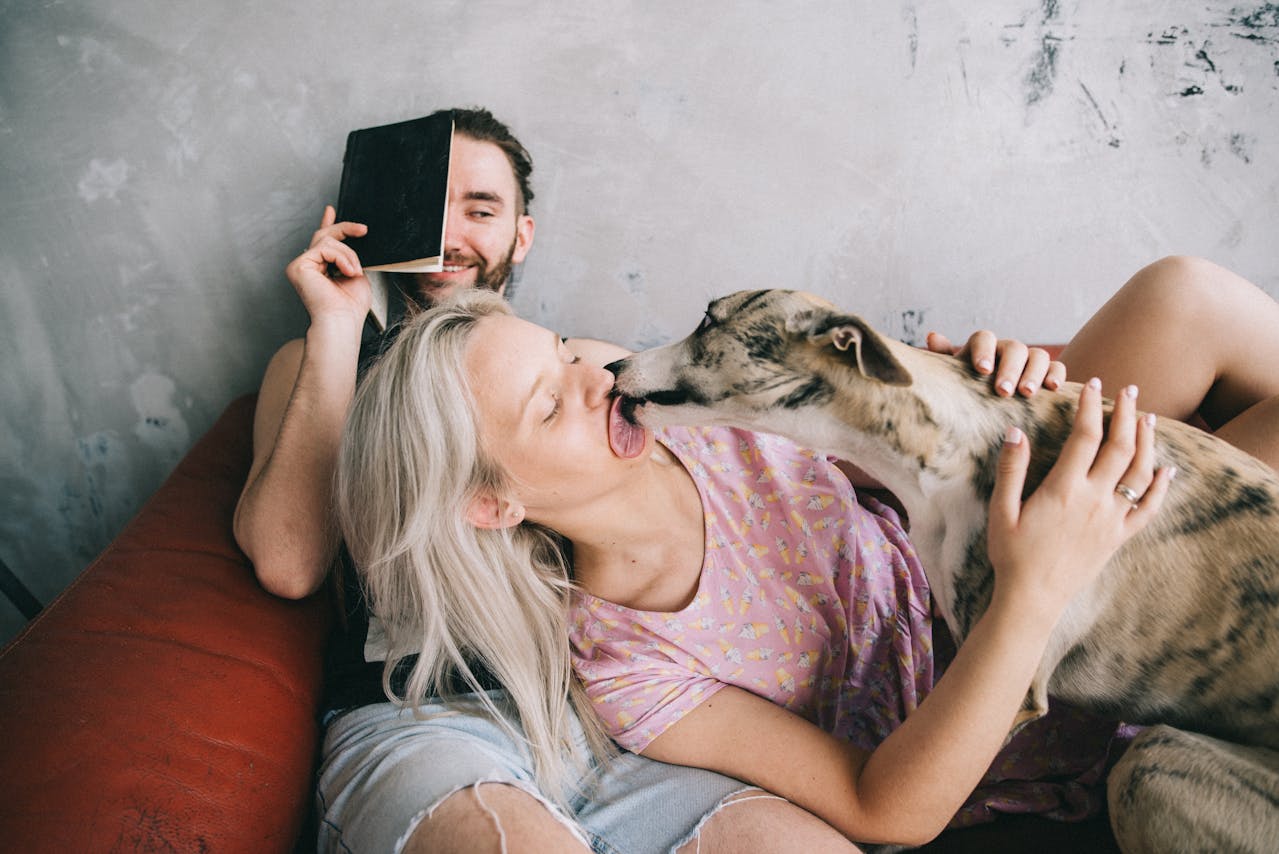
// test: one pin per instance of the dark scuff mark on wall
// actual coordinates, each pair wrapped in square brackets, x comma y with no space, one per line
[1114,141]
[912,322]
[1202,54]
[1043,72]
[1211,67]
[912,35]
[1265,16]
[1170,35]
[1039,82]
[1008,37]
[1201,59]
[1261,24]
[1240,147]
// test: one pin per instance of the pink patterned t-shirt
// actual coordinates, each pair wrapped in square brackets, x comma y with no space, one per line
[813,598]
[807,597]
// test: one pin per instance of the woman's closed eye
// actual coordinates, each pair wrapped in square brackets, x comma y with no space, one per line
[567,357]
[555,410]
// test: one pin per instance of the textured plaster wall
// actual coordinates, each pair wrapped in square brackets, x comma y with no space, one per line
[1001,163]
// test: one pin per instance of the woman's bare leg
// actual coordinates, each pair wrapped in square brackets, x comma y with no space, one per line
[761,823]
[500,818]
[1194,337]
[492,817]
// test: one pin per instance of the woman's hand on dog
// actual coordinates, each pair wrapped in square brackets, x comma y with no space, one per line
[1016,367]
[1049,547]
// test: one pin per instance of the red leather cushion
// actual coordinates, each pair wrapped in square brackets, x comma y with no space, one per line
[164,701]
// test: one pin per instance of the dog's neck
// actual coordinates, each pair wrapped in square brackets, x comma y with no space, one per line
[916,440]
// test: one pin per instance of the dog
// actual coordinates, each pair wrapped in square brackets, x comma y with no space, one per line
[1182,626]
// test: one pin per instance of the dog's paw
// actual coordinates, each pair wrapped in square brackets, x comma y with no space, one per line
[1033,707]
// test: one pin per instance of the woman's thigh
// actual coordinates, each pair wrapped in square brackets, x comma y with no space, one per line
[384,773]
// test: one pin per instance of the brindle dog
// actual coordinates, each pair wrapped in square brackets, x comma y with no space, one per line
[1182,626]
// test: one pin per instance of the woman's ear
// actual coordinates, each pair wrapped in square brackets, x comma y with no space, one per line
[491,512]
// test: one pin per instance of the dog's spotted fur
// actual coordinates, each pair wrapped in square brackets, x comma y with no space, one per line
[1181,628]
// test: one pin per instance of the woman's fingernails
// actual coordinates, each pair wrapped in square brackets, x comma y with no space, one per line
[1012,436]
[1130,392]
[985,365]
[1094,384]
[1149,419]
[1006,386]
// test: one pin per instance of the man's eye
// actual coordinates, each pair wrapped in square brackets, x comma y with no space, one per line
[555,410]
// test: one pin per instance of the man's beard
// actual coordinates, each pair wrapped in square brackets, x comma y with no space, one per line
[492,280]
[419,293]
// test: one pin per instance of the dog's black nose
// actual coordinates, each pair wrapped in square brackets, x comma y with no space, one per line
[614,367]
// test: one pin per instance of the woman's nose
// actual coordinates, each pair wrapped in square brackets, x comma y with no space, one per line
[598,386]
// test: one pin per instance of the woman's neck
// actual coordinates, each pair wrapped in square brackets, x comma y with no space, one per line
[645,550]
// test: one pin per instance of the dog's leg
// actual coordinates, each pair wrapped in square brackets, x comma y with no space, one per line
[1178,791]
[1035,704]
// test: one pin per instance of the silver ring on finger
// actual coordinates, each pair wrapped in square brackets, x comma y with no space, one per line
[1128,493]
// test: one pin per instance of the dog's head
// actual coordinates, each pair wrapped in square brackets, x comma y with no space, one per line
[756,356]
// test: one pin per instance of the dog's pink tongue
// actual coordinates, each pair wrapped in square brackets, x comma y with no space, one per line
[626,439]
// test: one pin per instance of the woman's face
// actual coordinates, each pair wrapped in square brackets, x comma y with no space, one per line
[549,418]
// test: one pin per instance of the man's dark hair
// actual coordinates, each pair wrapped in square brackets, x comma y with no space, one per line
[479,124]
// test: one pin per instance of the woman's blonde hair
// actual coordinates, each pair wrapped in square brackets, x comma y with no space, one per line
[411,461]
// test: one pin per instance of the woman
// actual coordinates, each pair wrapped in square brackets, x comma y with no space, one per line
[478,459]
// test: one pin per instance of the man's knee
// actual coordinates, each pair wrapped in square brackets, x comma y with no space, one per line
[494,817]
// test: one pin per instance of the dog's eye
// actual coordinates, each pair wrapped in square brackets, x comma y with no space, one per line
[707,322]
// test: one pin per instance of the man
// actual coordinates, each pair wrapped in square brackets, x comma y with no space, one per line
[387,779]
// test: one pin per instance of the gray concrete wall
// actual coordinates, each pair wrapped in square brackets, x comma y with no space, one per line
[1001,163]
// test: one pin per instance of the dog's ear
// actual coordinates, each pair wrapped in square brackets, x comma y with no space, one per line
[851,335]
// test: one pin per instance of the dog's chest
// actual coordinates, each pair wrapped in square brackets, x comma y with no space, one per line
[948,531]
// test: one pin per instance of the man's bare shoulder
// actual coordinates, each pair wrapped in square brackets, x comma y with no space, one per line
[596,352]
[282,371]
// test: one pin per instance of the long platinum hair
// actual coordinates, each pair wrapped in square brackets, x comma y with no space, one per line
[411,460]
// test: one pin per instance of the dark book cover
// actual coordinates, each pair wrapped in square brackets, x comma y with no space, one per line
[395,180]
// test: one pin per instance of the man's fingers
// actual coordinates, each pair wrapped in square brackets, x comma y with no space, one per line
[981,348]
[330,250]
[329,227]
[1056,375]
[939,343]
[1012,356]
[1035,373]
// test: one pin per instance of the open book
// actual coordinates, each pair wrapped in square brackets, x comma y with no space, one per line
[395,180]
